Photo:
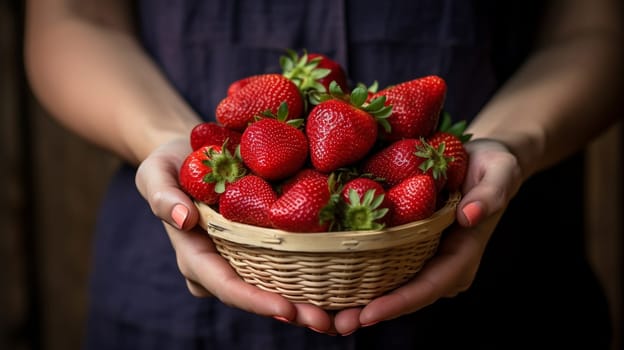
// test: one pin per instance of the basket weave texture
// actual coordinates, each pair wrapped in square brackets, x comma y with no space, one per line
[333,270]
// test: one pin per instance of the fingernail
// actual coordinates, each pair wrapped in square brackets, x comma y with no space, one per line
[349,333]
[282,319]
[179,214]
[370,324]
[322,332]
[473,212]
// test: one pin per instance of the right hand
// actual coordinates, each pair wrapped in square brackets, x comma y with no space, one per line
[206,272]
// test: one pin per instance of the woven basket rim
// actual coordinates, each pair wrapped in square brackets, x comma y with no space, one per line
[341,241]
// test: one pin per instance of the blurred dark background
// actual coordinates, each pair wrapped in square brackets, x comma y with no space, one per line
[52,182]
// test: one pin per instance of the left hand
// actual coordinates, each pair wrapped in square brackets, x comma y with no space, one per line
[493,178]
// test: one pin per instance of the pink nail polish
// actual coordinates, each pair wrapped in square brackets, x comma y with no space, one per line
[370,324]
[281,318]
[316,330]
[473,213]
[179,215]
[346,334]
[323,332]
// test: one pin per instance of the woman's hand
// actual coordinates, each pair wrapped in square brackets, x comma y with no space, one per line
[207,273]
[493,178]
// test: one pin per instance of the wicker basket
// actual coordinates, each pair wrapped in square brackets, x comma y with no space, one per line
[333,270]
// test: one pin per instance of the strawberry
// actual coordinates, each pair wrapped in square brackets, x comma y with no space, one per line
[416,107]
[274,148]
[248,201]
[342,129]
[308,206]
[336,71]
[263,93]
[404,158]
[313,71]
[240,83]
[449,140]
[205,172]
[412,199]
[365,205]
[211,133]
[299,176]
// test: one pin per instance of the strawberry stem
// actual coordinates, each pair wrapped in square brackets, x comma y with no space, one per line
[458,129]
[363,213]
[226,168]
[357,98]
[303,72]
[435,161]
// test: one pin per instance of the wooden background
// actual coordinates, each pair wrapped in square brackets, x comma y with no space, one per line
[52,183]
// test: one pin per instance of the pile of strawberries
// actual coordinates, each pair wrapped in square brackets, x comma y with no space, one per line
[302,152]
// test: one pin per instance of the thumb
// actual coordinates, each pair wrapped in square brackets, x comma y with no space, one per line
[493,178]
[157,181]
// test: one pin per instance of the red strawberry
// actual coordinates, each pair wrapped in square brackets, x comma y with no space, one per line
[273,148]
[205,172]
[416,106]
[308,206]
[404,158]
[336,71]
[449,140]
[264,93]
[302,174]
[342,133]
[412,199]
[361,185]
[248,201]
[211,133]
[365,205]
[313,71]
[240,83]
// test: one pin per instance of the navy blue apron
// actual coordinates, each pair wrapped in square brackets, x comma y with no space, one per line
[534,281]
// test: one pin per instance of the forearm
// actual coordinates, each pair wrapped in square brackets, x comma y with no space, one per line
[565,94]
[97,81]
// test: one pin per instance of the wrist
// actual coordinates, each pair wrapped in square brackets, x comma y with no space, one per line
[526,146]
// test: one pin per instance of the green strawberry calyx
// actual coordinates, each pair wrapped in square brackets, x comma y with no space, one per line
[435,161]
[302,71]
[226,167]
[457,129]
[364,213]
[372,89]
[282,116]
[358,99]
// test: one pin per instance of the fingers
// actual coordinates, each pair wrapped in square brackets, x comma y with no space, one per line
[348,321]
[450,272]
[493,178]
[314,318]
[197,290]
[421,292]
[208,273]
[156,180]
